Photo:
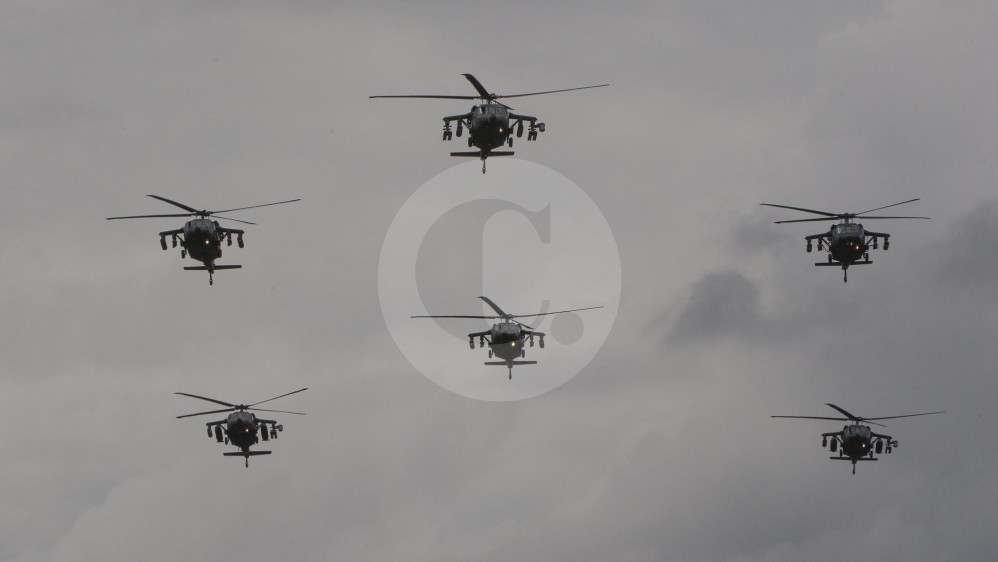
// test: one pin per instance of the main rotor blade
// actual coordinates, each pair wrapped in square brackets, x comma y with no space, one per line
[254,207]
[452,316]
[231,219]
[551,91]
[812,418]
[524,325]
[826,213]
[906,416]
[278,411]
[430,96]
[843,412]
[174,203]
[150,216]
[879,217]
[807,220]
[891,205]
[559,312]
[281,396]
[206,413]
[479,88]
[494,306]
[208,399]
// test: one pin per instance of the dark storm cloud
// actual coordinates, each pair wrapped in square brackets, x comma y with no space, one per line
[720,304]
[967,255]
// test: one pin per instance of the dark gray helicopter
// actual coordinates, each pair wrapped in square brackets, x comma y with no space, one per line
[242,427]
[508,339]
[857,442]
[490,124]
[201,237]
[848,243]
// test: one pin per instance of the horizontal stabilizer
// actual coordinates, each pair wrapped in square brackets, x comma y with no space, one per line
[503,363]
[217,267]
[478,154]
[247,454]
[839,264]
[849,459]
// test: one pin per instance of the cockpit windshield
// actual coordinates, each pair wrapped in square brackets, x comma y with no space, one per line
[507,328]
[850,230]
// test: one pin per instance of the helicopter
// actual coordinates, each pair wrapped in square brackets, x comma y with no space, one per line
[848,243]
[507,339]
[241,427]
[490,124]
[201,237]
[857,442]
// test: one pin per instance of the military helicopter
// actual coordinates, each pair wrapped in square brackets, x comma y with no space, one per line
[241,427]
[490,124]
[848,243]
[857,442]
[507,339]
[201,237]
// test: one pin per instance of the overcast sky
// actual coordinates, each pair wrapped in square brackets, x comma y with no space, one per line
[662,448]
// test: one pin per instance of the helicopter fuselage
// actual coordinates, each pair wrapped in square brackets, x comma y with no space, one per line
[203,240]
[507,340]
[242,429]
[847,243]
[488,126]
[858,442]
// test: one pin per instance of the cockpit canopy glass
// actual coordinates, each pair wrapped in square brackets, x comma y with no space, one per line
[507,328]
[851,230]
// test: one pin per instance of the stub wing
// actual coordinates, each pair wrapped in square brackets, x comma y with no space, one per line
[526,118]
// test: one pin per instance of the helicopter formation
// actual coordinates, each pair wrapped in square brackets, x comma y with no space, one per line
[491,124]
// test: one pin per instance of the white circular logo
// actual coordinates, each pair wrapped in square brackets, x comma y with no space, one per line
[523,236]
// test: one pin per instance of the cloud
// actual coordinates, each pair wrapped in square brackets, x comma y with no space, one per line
[720,304]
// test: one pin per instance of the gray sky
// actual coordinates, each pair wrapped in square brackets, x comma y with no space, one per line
[662,448]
